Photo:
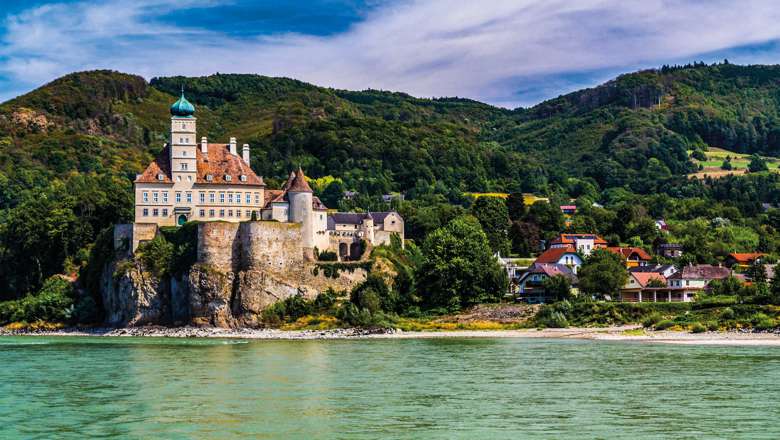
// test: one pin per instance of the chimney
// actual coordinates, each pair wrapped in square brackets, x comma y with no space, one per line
[204,145]
[233,147]
[245,153]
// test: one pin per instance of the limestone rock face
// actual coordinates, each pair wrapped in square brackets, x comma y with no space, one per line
[133,296]
[211,293]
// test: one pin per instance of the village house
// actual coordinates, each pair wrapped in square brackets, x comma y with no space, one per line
[565,256]
[582,243]
[665,270]
[669,250]
[639,282]
[633,256]
[742,261]
[203,181]
[531,283]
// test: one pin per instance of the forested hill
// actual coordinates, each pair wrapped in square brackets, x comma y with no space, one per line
[70,149]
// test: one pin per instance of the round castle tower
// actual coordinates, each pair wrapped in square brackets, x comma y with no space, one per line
[301,211]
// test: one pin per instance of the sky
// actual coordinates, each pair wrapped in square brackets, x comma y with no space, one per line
[508,53]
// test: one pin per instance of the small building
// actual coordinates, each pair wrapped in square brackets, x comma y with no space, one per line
[514,270]
[583,243]
[670,250]
[349,231]
[698,276]
[633,256]
[565,256]
[741,261]
[661,225]
[665,270]
[637,283]
[568,210]
[531,282]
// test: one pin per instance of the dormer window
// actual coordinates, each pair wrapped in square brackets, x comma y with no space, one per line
[243,178]
[161,176]
[209,177]
[228,178]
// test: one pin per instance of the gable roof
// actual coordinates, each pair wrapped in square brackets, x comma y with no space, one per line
[702,272]
[356,218]
[554,255]
[551,270]
[627,252]
[746,258]
[217,162]
[642,278]
[571,238]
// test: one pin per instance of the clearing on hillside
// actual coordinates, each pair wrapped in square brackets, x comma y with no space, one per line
[739,164]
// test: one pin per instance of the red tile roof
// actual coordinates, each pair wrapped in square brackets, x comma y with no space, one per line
[627,252]
[299,184]
[644,277]
[217,162]
[746,258]
[554,255]
[570,238]
[702,272]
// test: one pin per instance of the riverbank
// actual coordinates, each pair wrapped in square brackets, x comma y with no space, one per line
[632,333]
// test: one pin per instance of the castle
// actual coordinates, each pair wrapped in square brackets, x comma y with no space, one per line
[206,182]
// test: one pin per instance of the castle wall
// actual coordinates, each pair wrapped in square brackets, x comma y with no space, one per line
[218,245]
[271,246]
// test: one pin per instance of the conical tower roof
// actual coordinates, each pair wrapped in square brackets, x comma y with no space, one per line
[299,184]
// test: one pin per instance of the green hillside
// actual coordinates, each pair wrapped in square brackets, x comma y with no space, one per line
[70,149]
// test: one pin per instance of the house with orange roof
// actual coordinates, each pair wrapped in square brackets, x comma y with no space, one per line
[582,243]
[637,283]
[742,261]
[633,256]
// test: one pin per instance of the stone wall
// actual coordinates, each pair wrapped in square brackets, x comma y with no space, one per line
[127,237]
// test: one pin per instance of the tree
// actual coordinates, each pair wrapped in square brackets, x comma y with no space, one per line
[547,217]
[727,164]
[492,214]
[515,204]
[656,282]
[557,287]
[757,164]
[603,274]
[525,238]
[332,193]
[459,268]
[757,272]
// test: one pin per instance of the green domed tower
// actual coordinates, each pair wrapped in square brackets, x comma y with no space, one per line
[182,108]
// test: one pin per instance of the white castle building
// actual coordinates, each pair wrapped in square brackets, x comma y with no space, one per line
[201,181]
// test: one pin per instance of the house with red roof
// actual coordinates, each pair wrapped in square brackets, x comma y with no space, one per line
[565,256]
[633,256]
[582,243]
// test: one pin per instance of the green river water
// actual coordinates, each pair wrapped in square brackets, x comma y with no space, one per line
[139,388]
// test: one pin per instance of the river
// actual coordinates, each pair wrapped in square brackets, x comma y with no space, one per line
[139,388]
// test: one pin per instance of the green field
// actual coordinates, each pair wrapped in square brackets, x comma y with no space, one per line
[739,163]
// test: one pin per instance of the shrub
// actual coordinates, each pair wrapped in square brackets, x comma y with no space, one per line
[664,324]
[327,256]
[156,255]
[698,327]
[713,326]
[652,319]
[727,314]
[53,303]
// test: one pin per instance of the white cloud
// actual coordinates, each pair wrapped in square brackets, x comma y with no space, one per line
[483,50]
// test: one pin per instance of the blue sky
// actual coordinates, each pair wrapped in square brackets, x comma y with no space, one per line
[504,52]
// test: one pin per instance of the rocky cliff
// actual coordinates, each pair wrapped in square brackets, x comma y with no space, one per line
[241,269]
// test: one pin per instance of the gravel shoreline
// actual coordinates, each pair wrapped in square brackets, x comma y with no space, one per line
[599,334]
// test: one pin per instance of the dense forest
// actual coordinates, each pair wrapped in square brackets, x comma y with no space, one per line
[70,149]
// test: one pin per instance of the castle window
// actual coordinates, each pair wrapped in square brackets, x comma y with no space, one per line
[155,212]
[243,178]
[202,212]
[155,197]
[211,213]
[209,177]
[184,153]
[230,197]
[146,212]
[183,126]
[165,212]
[161,176]
[221,212]
[189,197]
[178,197]
[228,178]
[146,197]
[211,197]
[257,198]
[181,140]
[248,198]
[178,178]
[221,197]
[184,167]
[248,213]
[189,178]
[238,213]
[202,197]
[165,196]
[230,213]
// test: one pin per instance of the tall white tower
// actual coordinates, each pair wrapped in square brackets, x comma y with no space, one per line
[183,141]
